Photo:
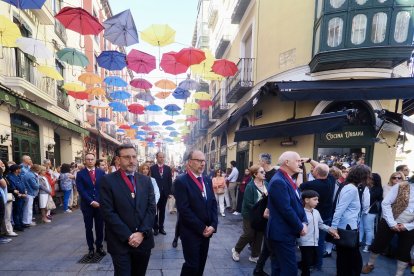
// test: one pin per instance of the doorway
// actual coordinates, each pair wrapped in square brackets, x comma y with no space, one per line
[25,138]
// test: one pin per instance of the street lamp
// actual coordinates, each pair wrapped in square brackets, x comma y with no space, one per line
[5,136]
[50,145]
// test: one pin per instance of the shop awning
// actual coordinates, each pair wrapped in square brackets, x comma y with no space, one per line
[43,113]
[340,90]
[7,98]
[406,123]
[296,127]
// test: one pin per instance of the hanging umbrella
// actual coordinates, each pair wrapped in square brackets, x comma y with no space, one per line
[27,4]
[96,91]
[204,66]
[104,119]
[118,107]
[124,126]
[189,84]
[73,57]
[98,104]
[136,108]
[168,123]
[139,138]
[179,121]
[120,130]
[163,95]
[140,83]
[9,32]
[140,62]
[174,134]
[170,128]
[145,96]
[202,96]
[89,78]
[181,94]
[172,113]
[79,20]
[34,47]
[112,60]
[172,107]
[120,29]
[146,127]
[192,106]
[141,132]
[153,124]
[224,68]
[188,112]
[50,72]
[158,35]
[192,119]
[205,104]
[190,56]
[70,86]
[79,95]
[153,107]
[170,65]
[120,95]
[165,84]
[115,81]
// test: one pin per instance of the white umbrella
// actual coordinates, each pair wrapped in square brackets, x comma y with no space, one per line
[34,47]
[98,104]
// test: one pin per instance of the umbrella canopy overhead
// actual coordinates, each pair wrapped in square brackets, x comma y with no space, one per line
[163,95]
[170,128]
[118,107]
[192,119]
[192,106]
[153,123]
[115,81]
[202,96]
[172,107]
[112,60]
[224,67]
[70,86]
[153,107]
[136,108]
[140,62]
[172,113]
[90,78]
[145,96]
[99,104]
[181,94]
[120,29]
[96,91]
[27,4]
[34,47]
[120,95]
[205,104]
[140,83]
[165,84]
[79,95]
[79,20]
[168,123]
[189,84]
[73,57]
[170,64]
[158,35]
[49,72]
[190,56]
[9,32]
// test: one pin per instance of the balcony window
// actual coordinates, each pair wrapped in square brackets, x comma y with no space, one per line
[335,31]
[359,29]
[336,3]
[402,24]
[379,27]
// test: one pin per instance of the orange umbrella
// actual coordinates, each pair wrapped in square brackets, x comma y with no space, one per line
[89,78]
[165,84]
[163,95]
[96,91]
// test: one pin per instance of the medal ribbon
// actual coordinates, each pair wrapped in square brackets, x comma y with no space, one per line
[127,181]
[199,185]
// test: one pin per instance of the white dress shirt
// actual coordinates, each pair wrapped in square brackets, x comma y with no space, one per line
[406,218]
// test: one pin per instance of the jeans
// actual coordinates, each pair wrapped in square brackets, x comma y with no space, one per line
[366,227]
[66,196]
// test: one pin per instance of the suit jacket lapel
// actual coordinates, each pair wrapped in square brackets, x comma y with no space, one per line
[193,186]
[124,188]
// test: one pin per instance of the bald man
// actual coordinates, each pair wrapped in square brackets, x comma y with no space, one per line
[324,184]
[287,218]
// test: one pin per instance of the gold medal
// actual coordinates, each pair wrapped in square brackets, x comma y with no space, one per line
[133,195]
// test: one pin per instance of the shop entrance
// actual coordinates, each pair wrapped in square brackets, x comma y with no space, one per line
[25,138]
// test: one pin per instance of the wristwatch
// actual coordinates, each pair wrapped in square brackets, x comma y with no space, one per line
[308,161]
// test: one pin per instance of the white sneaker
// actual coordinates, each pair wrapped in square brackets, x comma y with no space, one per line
[12,234]
[235,255]
[236,213]
[253,259]
[68,211]
[33,224]
[366,249]
[223,214]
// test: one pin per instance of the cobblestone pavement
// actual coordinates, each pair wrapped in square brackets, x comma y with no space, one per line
[55,248]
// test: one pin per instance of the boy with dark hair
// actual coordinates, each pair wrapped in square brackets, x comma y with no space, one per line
[308,243]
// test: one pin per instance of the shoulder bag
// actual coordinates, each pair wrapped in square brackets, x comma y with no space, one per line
[257,221]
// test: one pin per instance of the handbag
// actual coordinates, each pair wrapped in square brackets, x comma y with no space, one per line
[257,221]
[220,191]
[50,205]
[347,238]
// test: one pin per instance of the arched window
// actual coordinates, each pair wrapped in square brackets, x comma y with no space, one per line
[402,22]
[379,27]
[336,3]
[359,29]
[335,31]
[364,115]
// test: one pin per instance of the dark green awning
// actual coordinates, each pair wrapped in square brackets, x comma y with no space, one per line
[50,116]
[6,97]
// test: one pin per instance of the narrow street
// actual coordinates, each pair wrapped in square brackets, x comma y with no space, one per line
[55,248]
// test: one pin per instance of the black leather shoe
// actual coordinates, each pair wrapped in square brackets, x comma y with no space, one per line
[174,243]
[101,251]
[155,232]
[162,231]
[91,253]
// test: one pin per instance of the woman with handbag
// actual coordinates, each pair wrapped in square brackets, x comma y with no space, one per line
[345,221]
[219,184]
[256,189]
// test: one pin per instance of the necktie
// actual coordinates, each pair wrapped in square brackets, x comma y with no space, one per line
[160,169]
[92,175]
[131,178]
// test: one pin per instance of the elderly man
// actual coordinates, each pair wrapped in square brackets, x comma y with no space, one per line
[324,185]
[26,164]
[287,218]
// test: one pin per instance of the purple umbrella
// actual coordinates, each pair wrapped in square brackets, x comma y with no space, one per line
[120,29]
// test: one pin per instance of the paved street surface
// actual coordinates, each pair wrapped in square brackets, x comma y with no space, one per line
[55,248]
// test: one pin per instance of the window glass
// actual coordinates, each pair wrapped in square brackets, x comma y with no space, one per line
[382,1]
[361,2]
[359,29]
[319,9]
[317,39]
[402,22]
[379,27]
[335,30]
[336,3]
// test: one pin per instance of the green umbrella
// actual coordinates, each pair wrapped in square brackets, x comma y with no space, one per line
[73,57]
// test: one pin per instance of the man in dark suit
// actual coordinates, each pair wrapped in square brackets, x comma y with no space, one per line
[128,208]
[197,207]
[287,218]
[88,189]
[163,176]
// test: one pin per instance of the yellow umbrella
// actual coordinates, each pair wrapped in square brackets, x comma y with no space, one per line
[89,78]
[202,96]
[71,86]
[9,32]
[183,127]
[188,112]
[185,131]
[180,121]
[205,65]
[96,91]
[49,72]
[211,76]
[165,84]
[192,106]
[158,35]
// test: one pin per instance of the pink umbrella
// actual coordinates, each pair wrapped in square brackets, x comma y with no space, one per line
[170,65]
[192,119]
[140,62]
[190,56]
[204,104]
[140,83]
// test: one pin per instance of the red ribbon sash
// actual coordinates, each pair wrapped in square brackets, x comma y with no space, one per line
[293,184]
[199,185]
[127,181]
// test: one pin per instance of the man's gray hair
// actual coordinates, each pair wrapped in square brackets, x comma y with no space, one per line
[266,157]
[45,161]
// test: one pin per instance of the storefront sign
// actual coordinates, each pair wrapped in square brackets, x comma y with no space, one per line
[350,135]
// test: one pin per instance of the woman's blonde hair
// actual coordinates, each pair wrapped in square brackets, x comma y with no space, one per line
[254,169]
[141,169]
[394,174]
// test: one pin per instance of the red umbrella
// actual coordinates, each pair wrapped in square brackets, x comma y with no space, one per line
[224,67]
[140,83]
[205,104]
[79,20]
[140,62]
[125,127]
[79,95]
[136,108]
[190,56]
[192,119]
[170,65]
[146,128]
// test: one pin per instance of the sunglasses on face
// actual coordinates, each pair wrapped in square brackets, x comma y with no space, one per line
[396,177]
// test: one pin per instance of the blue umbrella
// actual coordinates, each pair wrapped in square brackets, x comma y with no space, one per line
[120,29]
[139,138]
[104,119]
[120,95]
[27,4]
[189,84]
[153,124]
[168,123]
[172,113]
[115,81]
[139,123]
[120,130]
[134,127]
[150,144]
[174,134]
[170,128]
[141,132]
[181,94]
[118,107]
[153,107]
[112,60]
[168,140]
[172,107]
